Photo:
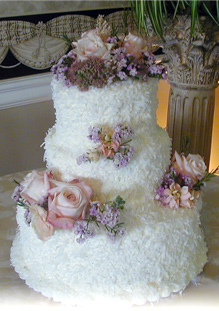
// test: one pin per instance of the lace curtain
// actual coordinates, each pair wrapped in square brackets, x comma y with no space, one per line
[36,45]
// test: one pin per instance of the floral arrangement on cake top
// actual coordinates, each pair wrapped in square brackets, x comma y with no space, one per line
[181,184]
[100,58]
[113,144]
[52,204]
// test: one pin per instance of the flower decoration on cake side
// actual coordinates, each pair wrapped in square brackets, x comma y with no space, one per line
[52,204]
[106,215]
[181,185]
[99,58]
[113,144]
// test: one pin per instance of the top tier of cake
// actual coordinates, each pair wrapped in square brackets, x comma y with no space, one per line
[132,103]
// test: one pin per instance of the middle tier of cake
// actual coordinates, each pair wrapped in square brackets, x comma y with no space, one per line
[132,103]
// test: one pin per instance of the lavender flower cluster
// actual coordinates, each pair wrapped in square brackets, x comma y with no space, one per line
[122,132]
[90,72]
[95,134]
[113,144]
[16,196]
[106,215]
[123,158]
[99,72]
[125,66]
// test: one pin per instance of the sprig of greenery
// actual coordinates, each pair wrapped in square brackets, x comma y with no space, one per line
[206,178]
[160,12]
[67,40]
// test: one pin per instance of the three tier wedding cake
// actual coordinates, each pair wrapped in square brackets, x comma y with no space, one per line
[111,219]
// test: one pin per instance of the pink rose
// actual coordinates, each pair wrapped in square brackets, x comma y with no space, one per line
[41,226]
[67,203]
[193,166]
[135,45]
[35,186]
[91,45]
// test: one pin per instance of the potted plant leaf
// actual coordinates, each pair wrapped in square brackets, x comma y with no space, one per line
[188,31]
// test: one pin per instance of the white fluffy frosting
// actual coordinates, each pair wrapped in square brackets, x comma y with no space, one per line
[163,249]
[130,102]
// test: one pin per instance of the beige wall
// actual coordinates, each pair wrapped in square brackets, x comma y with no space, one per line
[20,8]
[22,131]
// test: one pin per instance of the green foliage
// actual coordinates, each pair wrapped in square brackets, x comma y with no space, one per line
[206,178]
[161,11]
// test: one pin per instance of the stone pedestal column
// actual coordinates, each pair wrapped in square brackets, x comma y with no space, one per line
[193,73]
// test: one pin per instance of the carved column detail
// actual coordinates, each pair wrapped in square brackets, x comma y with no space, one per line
[190,116]
[193,73]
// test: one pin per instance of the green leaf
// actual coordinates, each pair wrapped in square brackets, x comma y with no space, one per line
[210,14]
[67,40]
[119,202]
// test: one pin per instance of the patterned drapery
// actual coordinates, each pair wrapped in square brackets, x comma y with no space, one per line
[36,45]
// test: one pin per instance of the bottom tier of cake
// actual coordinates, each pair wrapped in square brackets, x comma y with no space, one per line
[161,252]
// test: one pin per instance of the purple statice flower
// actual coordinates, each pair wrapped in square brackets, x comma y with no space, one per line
[160,194]
[187,181]
[90,72]
[82,159]
[95,211]
[111,216]
[95,134]
[81,229]
[149,58]
[119,53]
[122,75]
[121,64]
[27,216]
[111,40]
[133,72]
[122,132]
[123,157]
[154,69]
[121,160]
[16,194]
[112,235]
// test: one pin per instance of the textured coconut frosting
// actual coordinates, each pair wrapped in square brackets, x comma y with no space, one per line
[131,103]
[162,250]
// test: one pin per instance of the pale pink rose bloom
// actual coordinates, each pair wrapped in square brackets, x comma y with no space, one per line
[35,186]
[41,226]
[192,166]
[67,203]
[177,196]
[135,45]
[198,165]
[92,45]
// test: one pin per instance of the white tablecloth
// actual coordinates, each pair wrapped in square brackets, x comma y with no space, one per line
[15,295]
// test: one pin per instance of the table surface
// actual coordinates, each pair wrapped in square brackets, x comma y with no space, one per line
[202,293]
